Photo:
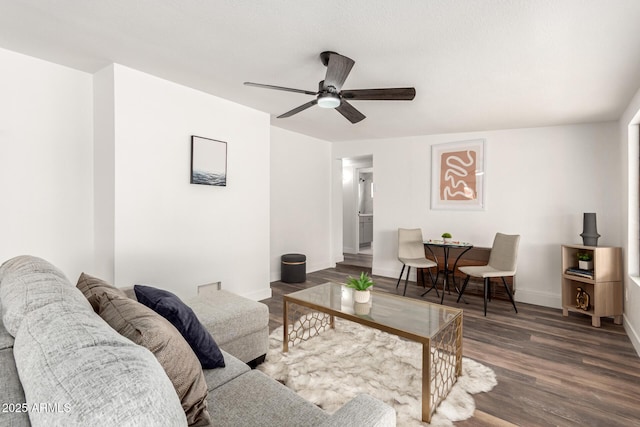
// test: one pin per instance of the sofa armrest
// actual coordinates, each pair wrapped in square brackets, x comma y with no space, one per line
[363,410]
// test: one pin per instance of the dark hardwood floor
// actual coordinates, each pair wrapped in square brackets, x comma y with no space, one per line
[552,370]
[357,260]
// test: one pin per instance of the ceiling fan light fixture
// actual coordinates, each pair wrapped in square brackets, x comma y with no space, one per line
[329,100]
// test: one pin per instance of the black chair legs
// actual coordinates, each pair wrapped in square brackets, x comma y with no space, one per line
[406,281]
[433,283]
[464,286]
[487,292]
[399,278]
[504,282]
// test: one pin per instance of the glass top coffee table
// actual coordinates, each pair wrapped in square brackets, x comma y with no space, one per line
[436,327]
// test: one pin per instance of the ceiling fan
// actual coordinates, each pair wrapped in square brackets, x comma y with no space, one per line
[331,95]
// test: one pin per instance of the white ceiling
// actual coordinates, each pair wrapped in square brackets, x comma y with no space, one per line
[475,64]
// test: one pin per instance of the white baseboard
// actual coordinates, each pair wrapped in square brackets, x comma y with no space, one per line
[392,273]
[632,334]
[545,299]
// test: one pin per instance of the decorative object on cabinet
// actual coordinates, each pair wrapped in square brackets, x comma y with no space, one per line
[589,229]
[585,261]
[583,300]
[602,284]
[208,161]
[457,180]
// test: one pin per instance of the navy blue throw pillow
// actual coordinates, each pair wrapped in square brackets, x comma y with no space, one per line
[184,319]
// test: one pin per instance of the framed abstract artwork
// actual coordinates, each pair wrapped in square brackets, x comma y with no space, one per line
[208,161]
[458,175]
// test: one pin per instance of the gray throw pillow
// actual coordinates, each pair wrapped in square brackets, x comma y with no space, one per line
[146,328]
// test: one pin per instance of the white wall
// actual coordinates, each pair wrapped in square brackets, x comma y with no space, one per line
[104,173]
[173,234]
[630,225]
[46,163]
[539,181]
[300,199]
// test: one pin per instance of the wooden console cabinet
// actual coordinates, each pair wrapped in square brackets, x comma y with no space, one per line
[604,288]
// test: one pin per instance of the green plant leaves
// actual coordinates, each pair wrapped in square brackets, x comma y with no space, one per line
[361,283]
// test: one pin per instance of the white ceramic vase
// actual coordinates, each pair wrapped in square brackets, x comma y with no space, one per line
[447,239]
[361,296]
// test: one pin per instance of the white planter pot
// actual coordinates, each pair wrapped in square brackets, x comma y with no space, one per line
[447,239]
[585,265]
[361,296]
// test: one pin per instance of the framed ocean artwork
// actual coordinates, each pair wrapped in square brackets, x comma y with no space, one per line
[208,161]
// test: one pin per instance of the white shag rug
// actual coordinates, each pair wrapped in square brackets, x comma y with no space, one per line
[331,369]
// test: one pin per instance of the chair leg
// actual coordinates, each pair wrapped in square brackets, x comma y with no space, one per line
[433,284]
[464,287]
[406,281]
[509,293]
[486,290]
[400,278]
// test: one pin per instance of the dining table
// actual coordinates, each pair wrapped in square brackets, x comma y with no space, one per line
[446,271]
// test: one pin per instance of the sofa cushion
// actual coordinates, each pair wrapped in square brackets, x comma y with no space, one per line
[228,316]
[6,340]
[184,319]
[146,328]
[66,356]
[234,367]
[12,393]
[90,374]
[28,283]
[253,399]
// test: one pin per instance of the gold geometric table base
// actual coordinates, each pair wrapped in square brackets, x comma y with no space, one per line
[441,353]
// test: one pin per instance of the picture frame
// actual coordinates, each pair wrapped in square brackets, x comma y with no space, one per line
[208,161]
[458,175]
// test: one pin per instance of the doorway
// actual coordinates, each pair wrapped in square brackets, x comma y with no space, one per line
[358,190]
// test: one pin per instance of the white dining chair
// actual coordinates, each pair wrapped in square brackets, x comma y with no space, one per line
[411,254]
[503,261]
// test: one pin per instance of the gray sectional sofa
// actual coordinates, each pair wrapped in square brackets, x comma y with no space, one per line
[62,364]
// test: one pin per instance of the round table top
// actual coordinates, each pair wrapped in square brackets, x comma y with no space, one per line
[454,243]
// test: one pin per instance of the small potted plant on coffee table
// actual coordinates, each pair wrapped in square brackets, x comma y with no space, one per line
[585,261]
[360,286]
[446,237]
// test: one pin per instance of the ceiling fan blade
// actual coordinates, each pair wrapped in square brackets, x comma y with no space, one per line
[350,112]
[287,89]
[298,109]
[392,94]
[338,69]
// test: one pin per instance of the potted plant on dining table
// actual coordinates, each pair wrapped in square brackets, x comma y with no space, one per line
[446,237]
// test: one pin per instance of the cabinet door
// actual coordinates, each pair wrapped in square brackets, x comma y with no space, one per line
[368,232]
